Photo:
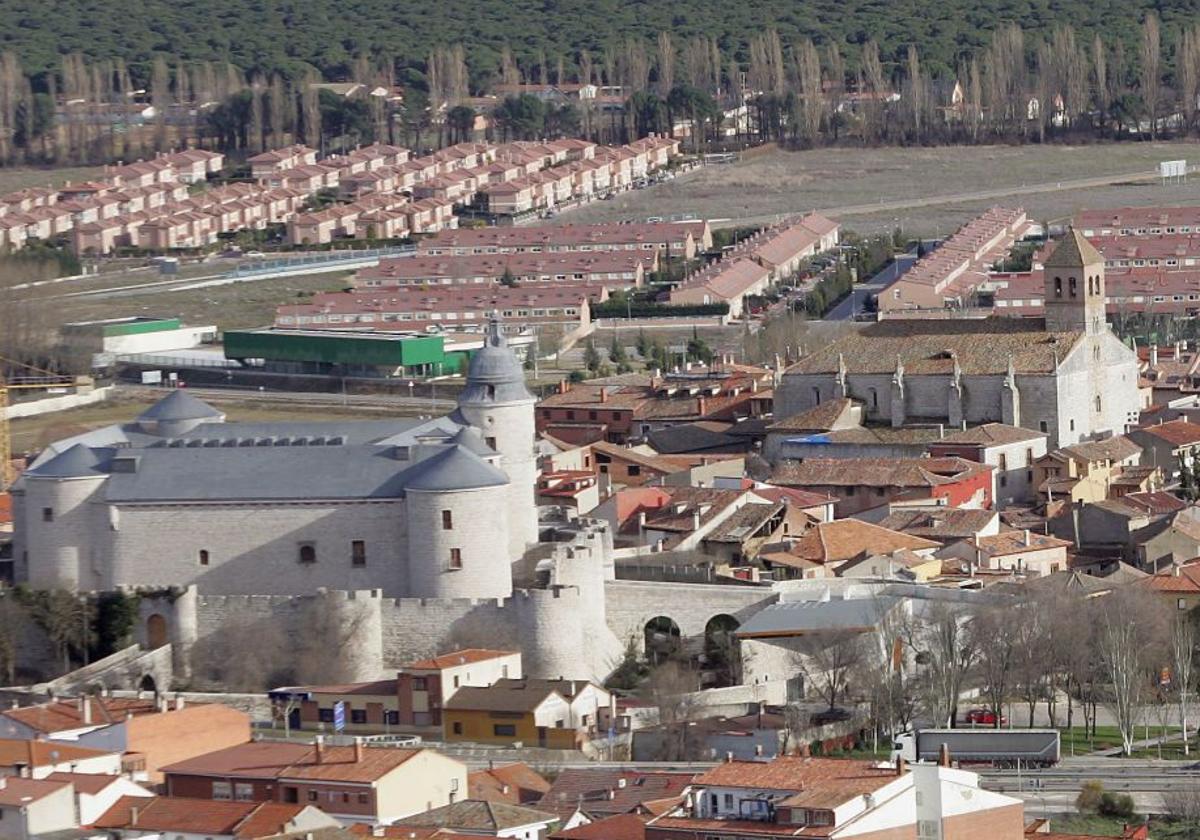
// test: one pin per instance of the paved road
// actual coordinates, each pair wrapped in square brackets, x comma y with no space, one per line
[854,302]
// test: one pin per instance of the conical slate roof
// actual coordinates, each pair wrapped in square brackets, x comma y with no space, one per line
[494,374]
[469,438]
[76,462]
[1073,251]
[179,405]
[456,468]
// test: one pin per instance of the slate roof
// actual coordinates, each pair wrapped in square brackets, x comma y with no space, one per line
[179,405]
[77,462]
[478,815]
[456,468]
[799,617]
[929,347]
[695,437]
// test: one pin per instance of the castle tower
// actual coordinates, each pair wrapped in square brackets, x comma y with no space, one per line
[496,401]
[1074,287]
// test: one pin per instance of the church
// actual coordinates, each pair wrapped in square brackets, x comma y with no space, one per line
[1066,375]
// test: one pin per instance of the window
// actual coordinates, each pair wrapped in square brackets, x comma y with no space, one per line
[47,514]
[456,681]
[1003,462]
[850,490]
[1071,286]
[418,684]
[455,558]
[364,799]
[820,817]
[391,717]
[447,521]
[1097,402]
[203,557]
[358,715]
[729,801]
[312,796]
[1072,424]
[1181,604]
[634,469]
[1028,456]
[308,553]
[222,790]
[1042,425]
[504,730]
[491,443]
[358,553]
[457,727]
[244,792]
[1058,287]
[325,715]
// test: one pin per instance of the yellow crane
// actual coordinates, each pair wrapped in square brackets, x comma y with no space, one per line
[37,379]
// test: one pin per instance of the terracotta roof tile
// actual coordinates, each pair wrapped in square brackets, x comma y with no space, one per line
[1176,432]
[618,827]
[456,658]
[817,782]
[516,784]
[844,539]
[822,417]
[607,791]
[874,472]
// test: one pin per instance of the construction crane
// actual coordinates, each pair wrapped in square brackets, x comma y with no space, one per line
[38,379]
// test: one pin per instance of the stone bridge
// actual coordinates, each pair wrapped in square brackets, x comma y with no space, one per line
[632,604]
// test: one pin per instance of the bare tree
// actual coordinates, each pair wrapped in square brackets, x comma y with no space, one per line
[808,72]
[947,651]
[1188,72]
[671,688]
[509,75]
[1183,660]
[666,64]
[828,660]
[873,80]
[1127,639]
[1100,77]
[1151,64]
[995,636]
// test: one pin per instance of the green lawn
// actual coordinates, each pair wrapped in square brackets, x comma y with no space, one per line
[1075,742]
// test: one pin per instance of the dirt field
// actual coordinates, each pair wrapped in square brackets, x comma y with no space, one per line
[846,181]
[34,433]
[19,178]
[231,306]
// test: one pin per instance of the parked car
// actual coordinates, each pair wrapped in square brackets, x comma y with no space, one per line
[830,716]
[983,717]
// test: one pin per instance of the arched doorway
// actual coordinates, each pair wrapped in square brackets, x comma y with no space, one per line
[156,631]
[147,684]
[663,639]
[722,654]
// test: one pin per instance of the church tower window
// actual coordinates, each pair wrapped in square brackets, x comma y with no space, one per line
[1071,284]
[1058,287]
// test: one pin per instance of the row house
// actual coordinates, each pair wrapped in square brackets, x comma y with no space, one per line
[25,200]
[382,224]
[84,190]
[576,148]
[323,226]
[193,166]
[311,178]
[445,308]
[612,270]
[378,180]
[143,173]
[445,188]
[431,215]
[668,239]
[1138,221]
[280,160]
[509,198]
[188,229]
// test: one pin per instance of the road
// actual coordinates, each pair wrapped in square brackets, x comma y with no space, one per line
[853,302]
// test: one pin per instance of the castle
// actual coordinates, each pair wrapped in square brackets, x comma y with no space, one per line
[1068,376]
[411,532]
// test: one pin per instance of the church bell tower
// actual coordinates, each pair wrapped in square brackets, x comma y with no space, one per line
[1074,281]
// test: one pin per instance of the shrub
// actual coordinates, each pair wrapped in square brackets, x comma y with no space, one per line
[1118,805]
[1090,796]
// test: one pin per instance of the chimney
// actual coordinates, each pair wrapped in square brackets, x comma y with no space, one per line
[572,689]
[1153,355]
[504,789]
[941,430]
[1175,570]
[603,395]
[133,815]
[701,406]
[695,520]
[621,782]
[944,756]
[805,750]
[358,750]
[319,746]
[1027,536]
[85,710]
[729,758]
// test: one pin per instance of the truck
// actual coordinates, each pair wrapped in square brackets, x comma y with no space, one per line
[995,747]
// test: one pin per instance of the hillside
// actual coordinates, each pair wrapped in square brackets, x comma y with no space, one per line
[273,35]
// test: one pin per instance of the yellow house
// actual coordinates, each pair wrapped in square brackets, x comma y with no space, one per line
[559,714]
[1085,472]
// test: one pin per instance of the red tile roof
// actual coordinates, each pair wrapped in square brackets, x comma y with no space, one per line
[619,827]
[15,790]
[1176,432]
[516,784]
[817,782]
[607,791]
[248,820]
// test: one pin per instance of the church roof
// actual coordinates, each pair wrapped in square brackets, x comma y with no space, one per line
[1073,250]
[179,405]
[931,347]
[457,468]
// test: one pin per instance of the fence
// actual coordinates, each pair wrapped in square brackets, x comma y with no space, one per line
[317,260]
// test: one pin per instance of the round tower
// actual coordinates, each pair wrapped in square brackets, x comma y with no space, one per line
[354,618]
[497,403]
[58,522]
[456,505]
[177,414]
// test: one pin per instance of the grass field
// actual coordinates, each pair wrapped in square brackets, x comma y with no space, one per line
[22,177]
[34,433]
[230,306]
[778,182]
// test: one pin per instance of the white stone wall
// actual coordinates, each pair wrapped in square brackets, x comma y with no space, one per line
[1017,485]
[64,551]
[479,531]
[513,429]
[255,548]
